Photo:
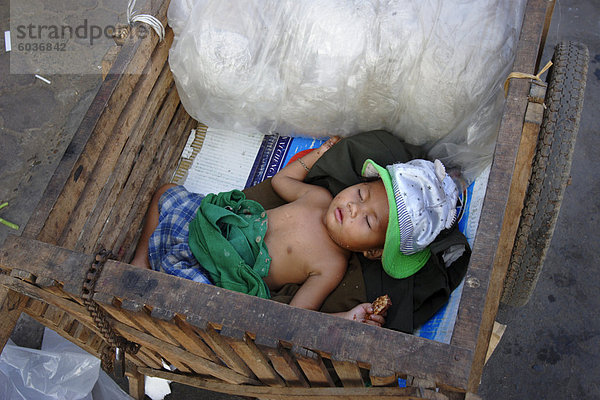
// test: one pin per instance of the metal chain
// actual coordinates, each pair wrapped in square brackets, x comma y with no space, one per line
[112,339]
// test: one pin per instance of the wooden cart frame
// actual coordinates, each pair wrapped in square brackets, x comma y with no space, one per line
[127,145]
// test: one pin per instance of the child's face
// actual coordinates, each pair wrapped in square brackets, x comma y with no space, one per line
[357,217]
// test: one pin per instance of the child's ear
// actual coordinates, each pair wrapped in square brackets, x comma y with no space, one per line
[373,254]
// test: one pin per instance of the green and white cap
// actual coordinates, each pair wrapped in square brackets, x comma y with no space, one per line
[422,199]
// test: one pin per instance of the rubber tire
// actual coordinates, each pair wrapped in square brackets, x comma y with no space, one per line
[550,173]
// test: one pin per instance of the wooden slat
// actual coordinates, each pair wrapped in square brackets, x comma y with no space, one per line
[45,282]
[123,240]
[154,356]
[112,308]
[282,361]
[136,383]
[149,358]
[40,294]
[73,329]
[144,321]
[313,367]
[65,323]
[252,356]
[480,298]
[171,352]
[349,373]
[83,333]
[287,393]
[57,290]
[35,307]
[383,378]
[95,343]
[547,21]
[11,305]
[161,319]
[22,275]
[222,349]
[190,340]
[420,383]
[52,315]
[134,359]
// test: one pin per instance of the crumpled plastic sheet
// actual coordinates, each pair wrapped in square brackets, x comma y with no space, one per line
[59,371]
[429,71]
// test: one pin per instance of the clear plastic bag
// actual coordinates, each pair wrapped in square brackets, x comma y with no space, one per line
[59,371]
[428,71]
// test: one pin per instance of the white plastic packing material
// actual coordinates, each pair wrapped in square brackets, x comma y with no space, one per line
[59,371]
[429,71]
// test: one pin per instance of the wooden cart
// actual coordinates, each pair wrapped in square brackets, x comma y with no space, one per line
[127,145]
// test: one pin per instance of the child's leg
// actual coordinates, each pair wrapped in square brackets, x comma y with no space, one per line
[141,252]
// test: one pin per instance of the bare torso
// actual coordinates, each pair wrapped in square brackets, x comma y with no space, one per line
[299,244]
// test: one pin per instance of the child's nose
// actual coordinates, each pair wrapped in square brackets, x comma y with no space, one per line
[353,209]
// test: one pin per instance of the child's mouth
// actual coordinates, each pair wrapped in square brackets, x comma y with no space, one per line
[338,215]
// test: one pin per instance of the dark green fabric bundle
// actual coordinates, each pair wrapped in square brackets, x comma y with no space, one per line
[227,239]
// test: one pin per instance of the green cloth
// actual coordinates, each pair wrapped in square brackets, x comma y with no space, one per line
[227,239]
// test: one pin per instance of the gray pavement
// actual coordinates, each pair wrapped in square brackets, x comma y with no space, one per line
[551,345]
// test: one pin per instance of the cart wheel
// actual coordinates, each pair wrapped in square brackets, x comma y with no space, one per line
[550,171]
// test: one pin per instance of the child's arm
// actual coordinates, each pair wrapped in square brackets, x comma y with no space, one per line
[288,183]
[317,287]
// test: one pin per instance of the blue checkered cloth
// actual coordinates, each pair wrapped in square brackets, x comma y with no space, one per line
[168,248]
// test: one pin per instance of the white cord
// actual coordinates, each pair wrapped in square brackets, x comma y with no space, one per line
[133,16]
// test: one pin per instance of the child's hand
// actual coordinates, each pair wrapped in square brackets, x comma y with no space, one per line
[364,313]
[327,145]
[289,183]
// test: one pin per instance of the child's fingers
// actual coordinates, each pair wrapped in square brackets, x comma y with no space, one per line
[365,315]
[330,142]
[333,140]
[378,319]
[373,322]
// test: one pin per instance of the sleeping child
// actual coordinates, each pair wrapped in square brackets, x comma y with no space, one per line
[232,242]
